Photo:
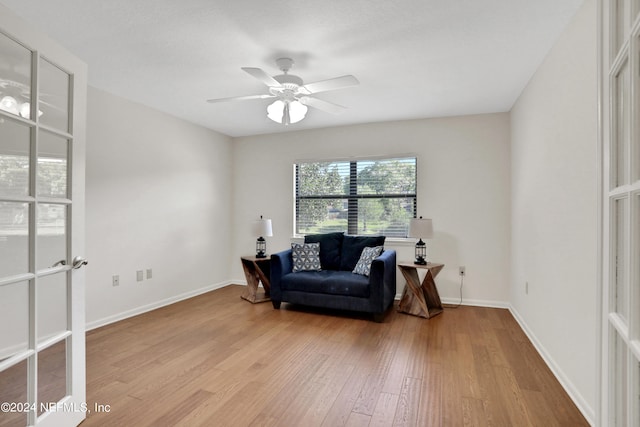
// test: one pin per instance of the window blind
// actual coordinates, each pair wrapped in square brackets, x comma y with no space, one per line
[359,197]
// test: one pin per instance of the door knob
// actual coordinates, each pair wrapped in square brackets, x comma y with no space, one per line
[78,262]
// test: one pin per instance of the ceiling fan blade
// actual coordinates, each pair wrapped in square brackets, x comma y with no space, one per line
[265,78]
[331,84]
[240,98]
[320,104]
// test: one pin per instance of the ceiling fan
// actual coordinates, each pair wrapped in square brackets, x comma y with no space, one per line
[15,98]
[293,96]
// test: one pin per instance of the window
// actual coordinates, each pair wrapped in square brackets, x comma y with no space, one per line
[357,197]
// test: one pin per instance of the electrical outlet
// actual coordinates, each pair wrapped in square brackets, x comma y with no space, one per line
[149,273]
[462,270]
[115,280]
[140,275]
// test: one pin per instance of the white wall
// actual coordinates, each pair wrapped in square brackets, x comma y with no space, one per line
[158,197]
[554,206]
[463,184]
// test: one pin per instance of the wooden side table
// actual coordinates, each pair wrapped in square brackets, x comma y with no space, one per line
[256,270]
[420,299]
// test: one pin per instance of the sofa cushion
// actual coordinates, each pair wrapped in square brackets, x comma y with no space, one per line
[352,247]
[305,257]
[363,266]
[327,282]
[330,248]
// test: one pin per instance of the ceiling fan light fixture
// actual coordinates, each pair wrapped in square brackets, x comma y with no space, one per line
[297,111]
[9,104]
[287,113]
[25,110]
[275,111]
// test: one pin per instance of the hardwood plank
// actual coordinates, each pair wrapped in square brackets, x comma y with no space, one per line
[403,338]
[494,403]
[331,378]
[218,360]
[516,409]
[385,410]
[340,411]
[408,403]
[368,397]
[182,409]
[541,412]
[473,412]
[431,396]
[294,394]
[466,375]
[358,420]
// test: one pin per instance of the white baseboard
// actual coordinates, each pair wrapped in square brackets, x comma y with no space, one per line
[586,410]
[476,302]
[472,302]
[145,308]
[13,350]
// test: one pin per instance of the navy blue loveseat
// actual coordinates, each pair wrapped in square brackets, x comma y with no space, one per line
[335,286]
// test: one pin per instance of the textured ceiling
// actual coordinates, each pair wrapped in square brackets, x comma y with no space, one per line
[414,58]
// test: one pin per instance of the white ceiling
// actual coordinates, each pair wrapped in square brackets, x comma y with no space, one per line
[414,58]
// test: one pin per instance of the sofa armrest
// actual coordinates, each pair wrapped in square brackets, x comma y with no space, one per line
[281,264]
[382,280]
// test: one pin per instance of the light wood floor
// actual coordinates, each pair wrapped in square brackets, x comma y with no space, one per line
[216,360]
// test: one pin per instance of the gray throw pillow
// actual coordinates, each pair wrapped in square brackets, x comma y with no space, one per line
[363,266]
[306,257]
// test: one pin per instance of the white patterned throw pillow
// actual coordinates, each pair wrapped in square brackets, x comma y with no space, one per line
[306,257]
[363,266]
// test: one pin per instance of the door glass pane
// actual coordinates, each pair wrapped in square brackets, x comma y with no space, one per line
[14,158]
[13,389]
[52,377]
[14,319]
[15,76]
[51,235]
[621,123]
[52,165]
[51,299]
[14,238]
[619,377]
[621,236]
[54,96]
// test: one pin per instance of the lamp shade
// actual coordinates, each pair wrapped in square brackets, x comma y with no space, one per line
[421,228]
[288,112]
[9,104]
[262,228]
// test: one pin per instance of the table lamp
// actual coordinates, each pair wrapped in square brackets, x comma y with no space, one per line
[262,227]
[420,228]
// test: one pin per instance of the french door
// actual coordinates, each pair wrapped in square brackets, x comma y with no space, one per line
[42,127]
[619,69]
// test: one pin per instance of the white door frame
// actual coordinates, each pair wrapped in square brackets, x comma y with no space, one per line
[618,356]
[72,409]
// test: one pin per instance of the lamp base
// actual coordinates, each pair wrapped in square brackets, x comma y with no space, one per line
[261,255]
[420,261]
